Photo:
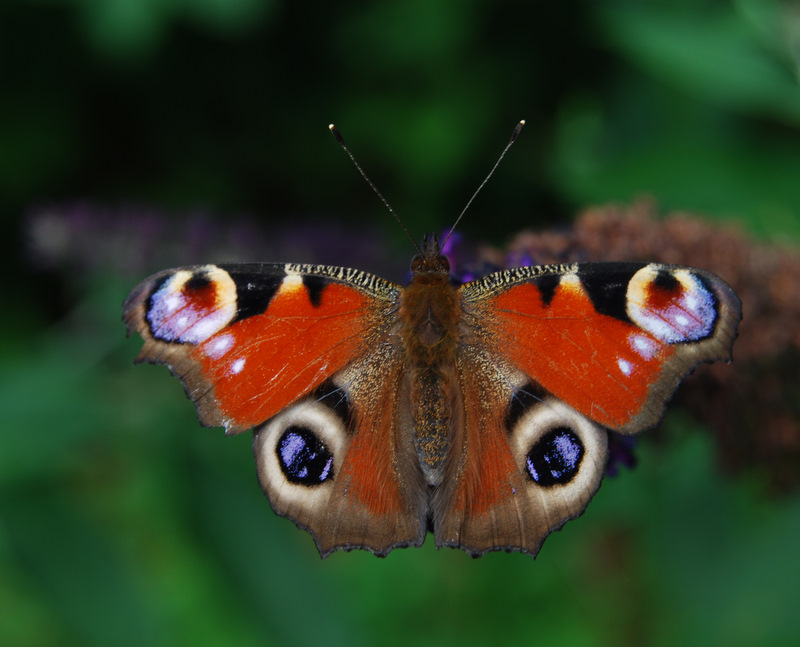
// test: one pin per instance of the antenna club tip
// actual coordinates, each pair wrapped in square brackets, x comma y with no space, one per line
[517,130]
[337,135]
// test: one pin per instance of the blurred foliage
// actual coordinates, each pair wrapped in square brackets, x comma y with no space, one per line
[123,523]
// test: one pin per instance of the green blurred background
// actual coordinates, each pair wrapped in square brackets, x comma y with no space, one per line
[132,129]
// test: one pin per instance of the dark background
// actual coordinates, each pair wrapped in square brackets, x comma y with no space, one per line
[144,134]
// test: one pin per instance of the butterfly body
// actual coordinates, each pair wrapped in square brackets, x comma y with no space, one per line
[429,312]
[477,412]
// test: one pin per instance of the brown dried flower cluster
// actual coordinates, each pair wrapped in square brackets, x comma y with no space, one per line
[752,406]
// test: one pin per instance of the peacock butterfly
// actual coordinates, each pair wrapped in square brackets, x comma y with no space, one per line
[478,412]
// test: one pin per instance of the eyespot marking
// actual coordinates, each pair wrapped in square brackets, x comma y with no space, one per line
[189,307]
[675,306]
[299,454]
[303,457]
[555,458]
[557,447]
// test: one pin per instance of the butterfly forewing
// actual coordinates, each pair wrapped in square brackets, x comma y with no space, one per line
[249,339]
[612,340]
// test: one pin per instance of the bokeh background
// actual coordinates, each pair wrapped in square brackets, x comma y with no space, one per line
[141,134]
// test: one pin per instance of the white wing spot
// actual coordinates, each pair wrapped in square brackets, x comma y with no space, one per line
[625,366]
[216,348]
[172,302]
[644,346]
[237,366]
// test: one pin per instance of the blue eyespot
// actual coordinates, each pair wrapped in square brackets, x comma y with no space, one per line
[303,457]
[556,457]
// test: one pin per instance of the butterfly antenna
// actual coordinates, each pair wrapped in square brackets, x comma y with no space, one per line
[514,136]
[338,136]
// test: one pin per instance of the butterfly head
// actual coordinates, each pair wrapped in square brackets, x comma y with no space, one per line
[430,258]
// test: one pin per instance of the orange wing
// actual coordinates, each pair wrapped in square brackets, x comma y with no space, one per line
[303,354]
[247,340]
[550,357]
[612,340]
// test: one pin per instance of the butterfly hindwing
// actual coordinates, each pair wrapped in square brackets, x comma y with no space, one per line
[527,464]
[334,462]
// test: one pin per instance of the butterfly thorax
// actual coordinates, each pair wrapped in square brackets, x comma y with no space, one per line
[429,309]
[429,315]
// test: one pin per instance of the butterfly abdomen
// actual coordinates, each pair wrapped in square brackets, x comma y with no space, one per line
[432,413]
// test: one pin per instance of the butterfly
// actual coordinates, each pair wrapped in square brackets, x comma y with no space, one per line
[477,412]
